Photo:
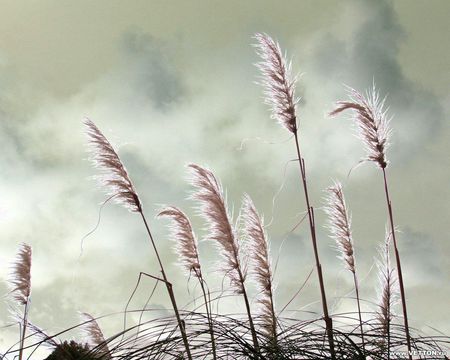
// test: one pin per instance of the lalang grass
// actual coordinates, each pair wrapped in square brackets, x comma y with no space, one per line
[243,246]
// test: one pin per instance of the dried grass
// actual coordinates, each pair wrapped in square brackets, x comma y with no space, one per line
[220,229]
[261,268]
[20,277]
[182,234]
[114,178]
[372,121]
[278,82]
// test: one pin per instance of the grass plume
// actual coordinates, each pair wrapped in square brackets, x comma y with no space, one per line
[372,121]
[278,82]
[279,90]
[387,291]
[20,285]
[114,178]
[118,185]
[339,225]
[94,336]
[185,240]
[20,276]
[212,207]
[261,268]
[186,247]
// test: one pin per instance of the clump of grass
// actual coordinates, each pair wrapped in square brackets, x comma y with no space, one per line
[244,249]
[372,121]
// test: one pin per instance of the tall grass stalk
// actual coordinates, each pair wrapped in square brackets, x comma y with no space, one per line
[209,193]
[372,122]
[186,246]
[339,225]
[280,96]
[115,180]
[399,266]
[20,285]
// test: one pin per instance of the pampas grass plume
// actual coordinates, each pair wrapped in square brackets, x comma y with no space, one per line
[371,120]
[185,241]
[388,286]
[213,208]
[278,83]
[93,334]
[261,269]
[20,276]
[114,177]
[339,224]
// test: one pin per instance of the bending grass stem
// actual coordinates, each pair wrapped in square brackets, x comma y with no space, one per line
[169,290]
[250,319]
[399,267]
[24,329]
[327,319]
[355,279]
[209,315]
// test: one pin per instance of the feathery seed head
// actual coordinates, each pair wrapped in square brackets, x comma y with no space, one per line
[114,177]
[20,276]
[254,235]
[339,224]
[278,83]
[261,269]
[388,285]
[40,335]
[212,207]
[372,122]
[185,241]
[94,335]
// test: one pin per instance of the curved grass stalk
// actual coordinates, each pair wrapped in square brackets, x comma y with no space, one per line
[280,96]
[115,180]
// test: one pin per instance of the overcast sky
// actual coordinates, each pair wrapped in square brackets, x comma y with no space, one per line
[174,82]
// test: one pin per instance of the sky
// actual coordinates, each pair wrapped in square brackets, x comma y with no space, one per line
[171,83]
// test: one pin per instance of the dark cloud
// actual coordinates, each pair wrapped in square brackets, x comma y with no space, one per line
[150,71]
[372,54]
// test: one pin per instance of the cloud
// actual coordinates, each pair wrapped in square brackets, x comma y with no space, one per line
[149,70]
[370,52]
